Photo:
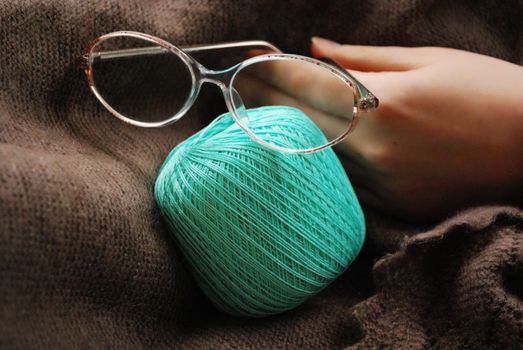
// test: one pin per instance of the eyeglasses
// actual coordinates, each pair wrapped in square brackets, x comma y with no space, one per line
[149,82]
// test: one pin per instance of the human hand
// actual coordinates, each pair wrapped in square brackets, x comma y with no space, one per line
[448,131]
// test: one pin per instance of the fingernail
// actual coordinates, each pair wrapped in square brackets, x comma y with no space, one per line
[326,43]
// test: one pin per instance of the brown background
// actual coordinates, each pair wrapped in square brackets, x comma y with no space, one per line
[85,260]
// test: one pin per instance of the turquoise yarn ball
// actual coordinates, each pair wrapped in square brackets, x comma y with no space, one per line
[262,230]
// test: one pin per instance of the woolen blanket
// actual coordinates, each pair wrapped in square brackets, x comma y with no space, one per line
[86,261]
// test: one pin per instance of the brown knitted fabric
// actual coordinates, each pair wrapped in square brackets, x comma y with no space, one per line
[86,261]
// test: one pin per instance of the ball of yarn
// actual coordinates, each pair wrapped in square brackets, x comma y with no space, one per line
[262,230]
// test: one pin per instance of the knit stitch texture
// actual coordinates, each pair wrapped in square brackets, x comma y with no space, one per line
[87,262]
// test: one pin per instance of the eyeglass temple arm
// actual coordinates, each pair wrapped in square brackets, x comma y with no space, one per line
[188,49]
[230,45]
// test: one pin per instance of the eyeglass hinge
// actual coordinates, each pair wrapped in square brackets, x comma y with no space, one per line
[369,101]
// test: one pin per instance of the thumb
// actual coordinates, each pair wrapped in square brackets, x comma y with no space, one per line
[372,58]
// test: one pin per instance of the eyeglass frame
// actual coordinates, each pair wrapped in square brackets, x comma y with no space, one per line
[364,100]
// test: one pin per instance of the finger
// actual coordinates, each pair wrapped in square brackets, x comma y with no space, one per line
[320,88]
[383,85]
[314,85]
[373,58]
[255,92]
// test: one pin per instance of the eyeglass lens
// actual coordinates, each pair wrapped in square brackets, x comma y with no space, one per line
[315,91]
[139,79]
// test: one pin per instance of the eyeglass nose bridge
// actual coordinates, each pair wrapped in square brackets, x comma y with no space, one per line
[222,78]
